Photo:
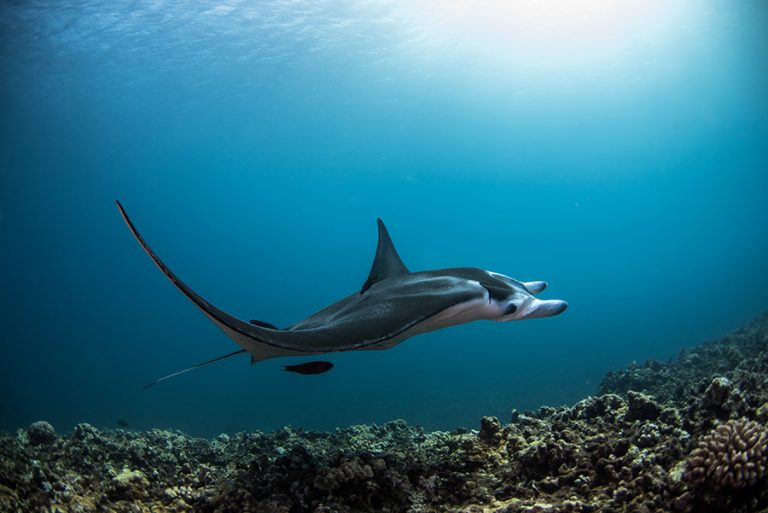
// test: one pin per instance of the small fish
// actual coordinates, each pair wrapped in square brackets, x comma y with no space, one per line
[309,367]
[123,423]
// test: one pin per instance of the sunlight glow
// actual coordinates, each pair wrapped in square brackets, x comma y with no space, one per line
[542,30]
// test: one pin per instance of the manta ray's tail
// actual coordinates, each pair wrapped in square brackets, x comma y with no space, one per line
[193,368]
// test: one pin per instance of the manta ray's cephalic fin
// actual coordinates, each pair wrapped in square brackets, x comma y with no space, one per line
[387,262]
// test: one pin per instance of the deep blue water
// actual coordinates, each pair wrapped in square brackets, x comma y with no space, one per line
[618,150]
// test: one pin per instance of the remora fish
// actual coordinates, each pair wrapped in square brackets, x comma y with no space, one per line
[393,305]
[309,367]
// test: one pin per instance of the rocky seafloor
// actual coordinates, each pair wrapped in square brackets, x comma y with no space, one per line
[685,436]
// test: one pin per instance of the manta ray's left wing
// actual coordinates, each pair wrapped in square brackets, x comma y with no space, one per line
[260,341]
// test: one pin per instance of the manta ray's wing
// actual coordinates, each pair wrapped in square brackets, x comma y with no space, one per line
[387,262]
[260,341]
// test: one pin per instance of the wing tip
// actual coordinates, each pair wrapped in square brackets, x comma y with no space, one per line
[124,215]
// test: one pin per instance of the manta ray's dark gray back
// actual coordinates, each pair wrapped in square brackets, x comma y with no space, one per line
[387,262]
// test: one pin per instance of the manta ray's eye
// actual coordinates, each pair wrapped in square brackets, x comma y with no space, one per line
[511,308]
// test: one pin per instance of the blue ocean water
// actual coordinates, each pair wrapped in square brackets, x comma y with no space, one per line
[616,149]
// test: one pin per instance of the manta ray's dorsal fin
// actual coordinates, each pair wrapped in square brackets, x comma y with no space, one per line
[387,262]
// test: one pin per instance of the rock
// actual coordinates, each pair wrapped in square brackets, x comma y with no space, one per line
[762,412]
[490,430]
[717,392]
[85,431]
[641,407]
[41,432]
[129,484]
[593,407]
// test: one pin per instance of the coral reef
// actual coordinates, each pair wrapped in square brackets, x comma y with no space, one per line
[734,454]
[689,436]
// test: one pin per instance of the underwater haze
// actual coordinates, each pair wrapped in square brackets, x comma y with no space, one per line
[616,149]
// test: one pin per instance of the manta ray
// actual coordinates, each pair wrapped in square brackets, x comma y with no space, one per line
[393,304]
